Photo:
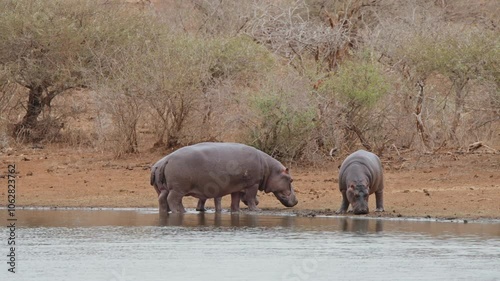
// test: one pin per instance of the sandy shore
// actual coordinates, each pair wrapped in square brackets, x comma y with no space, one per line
[449,185]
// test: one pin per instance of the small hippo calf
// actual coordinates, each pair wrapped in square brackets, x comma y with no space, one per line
[218,203]
[360,175]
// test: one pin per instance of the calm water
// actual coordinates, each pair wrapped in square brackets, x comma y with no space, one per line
[131,245]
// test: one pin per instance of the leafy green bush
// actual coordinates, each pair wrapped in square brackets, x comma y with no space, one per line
[467,54]
[239,58]
[355,89]
[358,83]
[284,123]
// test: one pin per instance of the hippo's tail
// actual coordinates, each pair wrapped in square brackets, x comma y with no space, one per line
[153,180]
[158,179]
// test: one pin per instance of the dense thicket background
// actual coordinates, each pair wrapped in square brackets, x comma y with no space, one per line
[296,79]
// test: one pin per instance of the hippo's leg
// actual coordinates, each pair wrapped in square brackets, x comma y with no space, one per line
[175,202]
[235,201]
[251,198]
[218,204]
[244,198]
[379,201]
[201,205]
[163,203]
[344,205]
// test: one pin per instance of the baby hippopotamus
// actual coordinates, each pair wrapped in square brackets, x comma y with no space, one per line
[360,175]
[218,203]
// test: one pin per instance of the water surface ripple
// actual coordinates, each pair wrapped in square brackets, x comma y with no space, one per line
[138,245]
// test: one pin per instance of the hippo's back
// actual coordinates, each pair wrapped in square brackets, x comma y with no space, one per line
[364,157]
[224,165]
[211,170]
[370,162]
[213,152]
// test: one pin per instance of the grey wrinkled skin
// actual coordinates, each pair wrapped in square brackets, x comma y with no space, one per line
[212,170]
[360,175]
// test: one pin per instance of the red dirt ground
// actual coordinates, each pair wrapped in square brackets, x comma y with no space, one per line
[456,185]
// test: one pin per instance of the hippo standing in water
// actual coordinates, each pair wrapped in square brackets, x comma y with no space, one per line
[360,175]
[212,170]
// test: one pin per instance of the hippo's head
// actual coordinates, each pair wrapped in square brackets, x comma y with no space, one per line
[280,184]
[357,194]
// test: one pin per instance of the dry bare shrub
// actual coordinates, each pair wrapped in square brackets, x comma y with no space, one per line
[307,44]
[174,77]
[10,106]
[119,100]
[453,62]
[459,56]
[483,14]
[462,58]
[481,118]
[121,56]
[41,45]
[175,80]
[7,91]
[75,113]
[77,137]
[226,18]
[118,119]
[6,95]
[188,84]
[52,46]
[236,64]
[206,18]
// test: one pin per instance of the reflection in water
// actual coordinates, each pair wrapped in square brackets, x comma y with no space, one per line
[150,217]
[346,224]
[140,245]
[361,225]
[210,219]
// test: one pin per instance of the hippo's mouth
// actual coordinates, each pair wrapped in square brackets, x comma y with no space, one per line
[360,212]
[360,208]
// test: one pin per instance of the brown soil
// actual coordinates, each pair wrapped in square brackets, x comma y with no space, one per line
[448,185]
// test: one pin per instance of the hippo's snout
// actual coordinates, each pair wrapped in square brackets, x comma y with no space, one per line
[287,201]
[290,203]
[360,211]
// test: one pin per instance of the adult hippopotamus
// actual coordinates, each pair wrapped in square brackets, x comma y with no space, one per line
[212,170]
[360,175]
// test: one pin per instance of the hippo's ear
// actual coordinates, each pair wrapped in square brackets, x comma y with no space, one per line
[286,171]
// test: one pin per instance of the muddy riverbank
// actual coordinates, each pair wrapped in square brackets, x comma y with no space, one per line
[446,185]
